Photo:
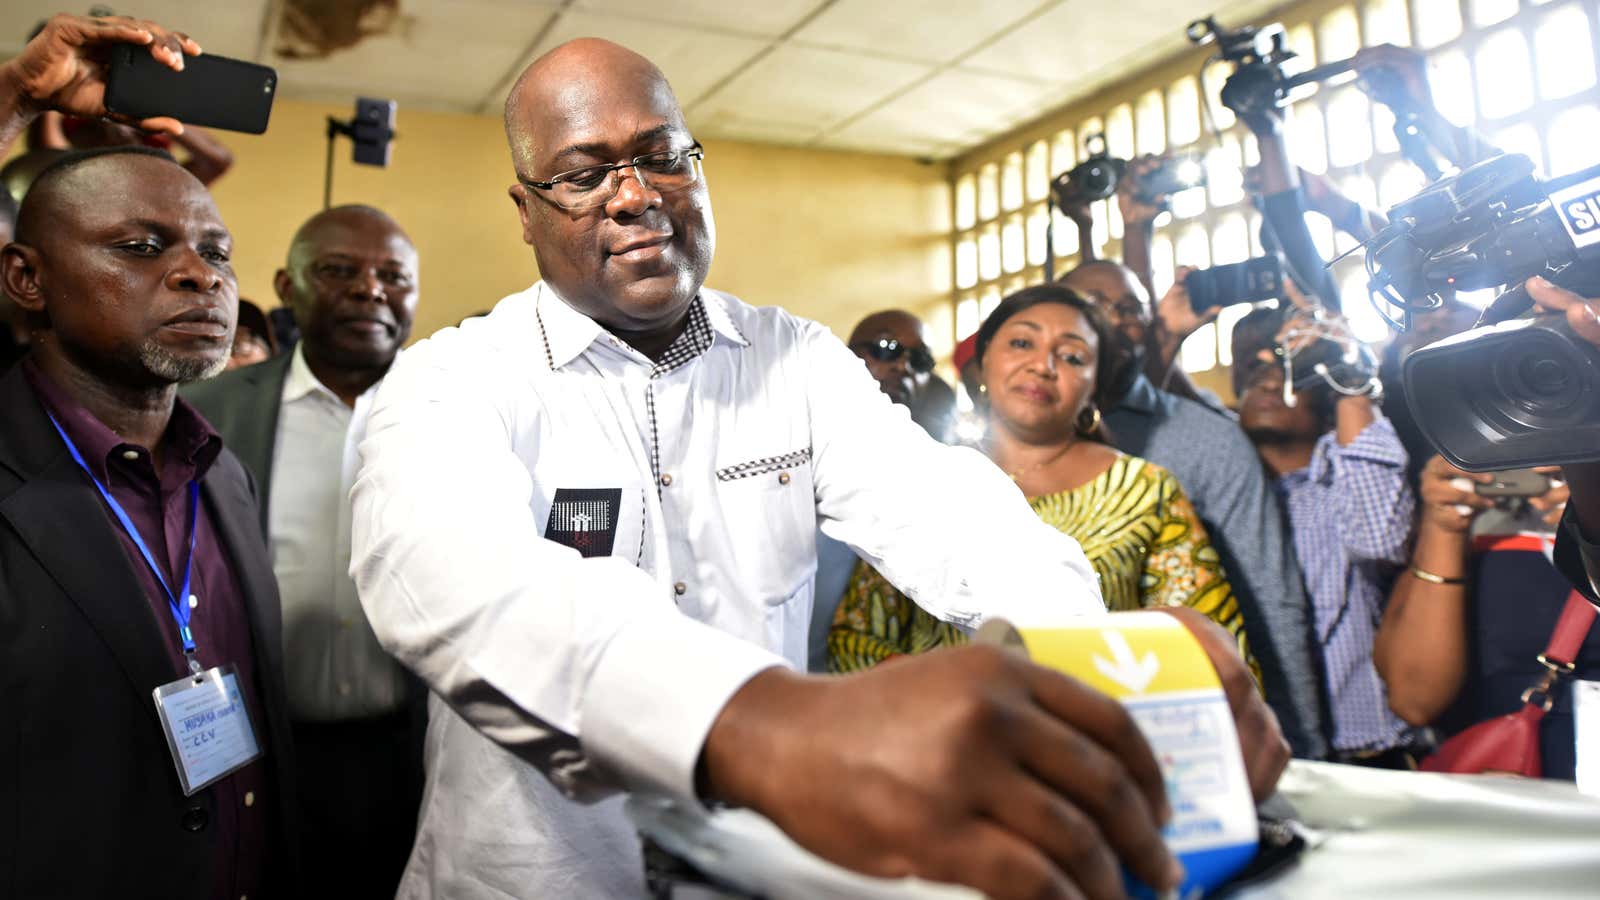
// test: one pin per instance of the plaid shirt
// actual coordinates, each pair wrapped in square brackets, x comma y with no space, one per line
[1350,512]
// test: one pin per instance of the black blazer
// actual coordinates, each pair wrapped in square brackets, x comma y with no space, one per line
[243,406]
[90,805]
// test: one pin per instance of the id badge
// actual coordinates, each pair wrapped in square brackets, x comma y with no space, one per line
[1586,732]
[207,726]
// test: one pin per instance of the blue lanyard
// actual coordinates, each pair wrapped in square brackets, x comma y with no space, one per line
[177,603]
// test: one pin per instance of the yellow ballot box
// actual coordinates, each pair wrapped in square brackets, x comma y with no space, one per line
[1151,663]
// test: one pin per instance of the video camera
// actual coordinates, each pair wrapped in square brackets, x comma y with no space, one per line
[1509,393]
[1096,178]
[1258,84]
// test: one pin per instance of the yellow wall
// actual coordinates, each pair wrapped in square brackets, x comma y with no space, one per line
[827,235]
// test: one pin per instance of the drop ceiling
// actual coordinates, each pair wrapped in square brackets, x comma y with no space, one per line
[924,78]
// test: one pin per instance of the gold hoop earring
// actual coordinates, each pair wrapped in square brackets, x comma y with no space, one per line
[1094,420]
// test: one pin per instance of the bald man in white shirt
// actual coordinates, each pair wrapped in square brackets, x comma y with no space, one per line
[598,553]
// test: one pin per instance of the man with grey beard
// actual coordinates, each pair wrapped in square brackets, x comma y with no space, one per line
[131,559]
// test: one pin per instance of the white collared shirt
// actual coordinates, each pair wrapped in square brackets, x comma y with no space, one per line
[707,479]
[334,667]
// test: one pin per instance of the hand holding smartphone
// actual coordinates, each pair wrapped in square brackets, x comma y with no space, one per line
[63,68]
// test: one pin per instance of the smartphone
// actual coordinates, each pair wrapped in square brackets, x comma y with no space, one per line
[212,91]
[1515,483]
[372,130]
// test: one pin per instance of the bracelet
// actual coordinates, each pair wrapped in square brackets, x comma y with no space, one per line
[1435,579]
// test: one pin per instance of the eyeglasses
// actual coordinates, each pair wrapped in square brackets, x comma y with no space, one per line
[592,186]
[889,350]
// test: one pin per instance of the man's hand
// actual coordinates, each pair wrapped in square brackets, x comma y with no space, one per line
[968,765]
[1137,213]
[1176,318]
[1266,753]
[1395,76]
[1552,503]
[64,67]
[1580,313]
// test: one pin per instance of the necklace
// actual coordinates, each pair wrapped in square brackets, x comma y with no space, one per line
[1016,474]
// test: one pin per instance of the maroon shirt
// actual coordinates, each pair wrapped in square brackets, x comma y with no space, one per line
[159,507]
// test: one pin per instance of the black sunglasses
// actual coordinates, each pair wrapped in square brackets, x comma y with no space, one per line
[889,350]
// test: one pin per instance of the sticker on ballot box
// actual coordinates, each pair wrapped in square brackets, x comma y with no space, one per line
[1159,672]
[207,726]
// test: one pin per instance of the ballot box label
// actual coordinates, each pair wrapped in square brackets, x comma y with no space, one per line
[1150,662]
[207,726]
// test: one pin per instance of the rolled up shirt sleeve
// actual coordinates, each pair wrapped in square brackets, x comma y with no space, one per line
[1374,499]
[942,523]
[584,667]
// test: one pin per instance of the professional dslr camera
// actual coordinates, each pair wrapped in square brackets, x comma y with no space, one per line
[1097,177]
[1511,392]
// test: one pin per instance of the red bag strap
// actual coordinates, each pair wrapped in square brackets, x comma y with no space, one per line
[1576,619]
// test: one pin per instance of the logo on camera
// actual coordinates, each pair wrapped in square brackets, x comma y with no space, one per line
[1579,206]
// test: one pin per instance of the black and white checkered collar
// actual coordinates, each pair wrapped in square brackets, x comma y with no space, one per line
[566,333]
[695,339]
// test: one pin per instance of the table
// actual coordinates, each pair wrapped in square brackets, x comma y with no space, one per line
[1373,833]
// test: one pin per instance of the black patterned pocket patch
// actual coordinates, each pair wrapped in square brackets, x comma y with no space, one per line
[585,519]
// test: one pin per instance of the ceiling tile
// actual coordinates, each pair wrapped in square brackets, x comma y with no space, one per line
[804,85]
[934,31]
[1053,46]
[768,18]
[229,29]
[445,56]
[694,61]
[953,106]
[756,130]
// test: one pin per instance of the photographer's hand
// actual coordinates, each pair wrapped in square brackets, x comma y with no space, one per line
[64,69]
[1420,649]
[1081,213]
[1176,318]
[1395,76]
[1139,218]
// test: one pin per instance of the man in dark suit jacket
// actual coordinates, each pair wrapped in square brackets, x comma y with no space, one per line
[121,261]
[297,421]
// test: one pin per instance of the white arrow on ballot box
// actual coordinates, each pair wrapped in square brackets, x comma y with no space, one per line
[1124,669]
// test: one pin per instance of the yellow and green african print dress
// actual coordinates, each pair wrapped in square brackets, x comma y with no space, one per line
[1139,532]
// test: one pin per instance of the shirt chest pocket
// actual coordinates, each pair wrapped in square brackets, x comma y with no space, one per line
[771,520]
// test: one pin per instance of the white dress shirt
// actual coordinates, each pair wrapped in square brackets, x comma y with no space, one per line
[334,667]
[560,679]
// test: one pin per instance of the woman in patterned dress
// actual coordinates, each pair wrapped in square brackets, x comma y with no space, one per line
[1046,368]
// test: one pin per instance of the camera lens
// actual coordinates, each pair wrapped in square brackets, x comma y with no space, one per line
[1536,381]
[1544,377]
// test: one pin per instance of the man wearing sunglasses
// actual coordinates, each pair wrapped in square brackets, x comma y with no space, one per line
[604,571]
[891,344]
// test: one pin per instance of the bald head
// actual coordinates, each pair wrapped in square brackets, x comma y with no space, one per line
[895,323]
[352,284]
[1116,290]
[568,80]
[303,246]
[893,346]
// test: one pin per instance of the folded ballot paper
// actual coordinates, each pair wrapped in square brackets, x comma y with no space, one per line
[1151,663]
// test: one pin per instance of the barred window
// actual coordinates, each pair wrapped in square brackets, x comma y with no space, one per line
[1522,72]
